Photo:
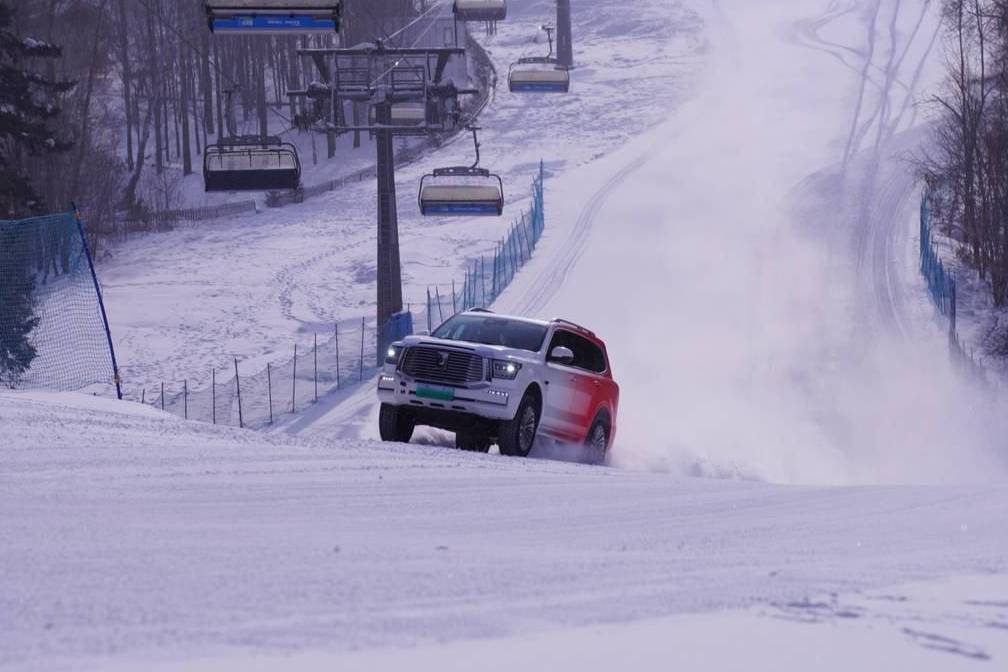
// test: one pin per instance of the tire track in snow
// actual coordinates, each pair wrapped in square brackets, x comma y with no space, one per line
[546,285]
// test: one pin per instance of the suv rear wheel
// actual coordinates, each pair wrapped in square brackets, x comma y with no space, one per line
[394,424]
[597,442]
[473,442]
[518,435]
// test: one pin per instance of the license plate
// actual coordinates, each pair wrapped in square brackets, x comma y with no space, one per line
[435,392]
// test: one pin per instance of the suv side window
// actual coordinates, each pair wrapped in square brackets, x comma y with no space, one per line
[587,355]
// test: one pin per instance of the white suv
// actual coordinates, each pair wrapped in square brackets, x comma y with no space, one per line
[504,380]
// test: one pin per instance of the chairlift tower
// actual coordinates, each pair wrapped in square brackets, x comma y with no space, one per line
[565,38]
[391,76]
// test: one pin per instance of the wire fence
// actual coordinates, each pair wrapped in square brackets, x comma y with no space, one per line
[256,394]
[942,288]
[53,333]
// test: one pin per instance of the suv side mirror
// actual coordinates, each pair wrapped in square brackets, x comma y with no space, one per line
[562,355]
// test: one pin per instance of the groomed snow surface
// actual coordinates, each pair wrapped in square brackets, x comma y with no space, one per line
[749,262]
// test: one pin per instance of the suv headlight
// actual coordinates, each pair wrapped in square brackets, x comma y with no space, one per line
[392,354]
[505,370]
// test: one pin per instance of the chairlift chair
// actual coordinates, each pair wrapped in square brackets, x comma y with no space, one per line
[538,75]
[251,163]
[462,190]
[273,16]
[480,10]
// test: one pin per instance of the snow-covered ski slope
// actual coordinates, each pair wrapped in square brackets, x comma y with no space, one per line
[750,263]
[131,541]
[752,266]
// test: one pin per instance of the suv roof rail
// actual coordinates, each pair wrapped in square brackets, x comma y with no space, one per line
[575,325]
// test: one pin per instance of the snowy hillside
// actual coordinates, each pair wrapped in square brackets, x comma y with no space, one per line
[800,479]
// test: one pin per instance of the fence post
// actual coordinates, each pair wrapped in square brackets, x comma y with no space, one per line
[429,326]
[316,366]
[241,417]
[360,377]
[440,313]
[269,390]
[185,399]
[162,395]
[294,380]
[143,396]
[213,395]
[454,305]
[337,357]
[483,280]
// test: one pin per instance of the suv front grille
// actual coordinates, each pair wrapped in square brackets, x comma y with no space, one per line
[443,366]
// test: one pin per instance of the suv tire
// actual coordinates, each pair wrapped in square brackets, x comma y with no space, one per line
[394,425]
[517,436]
[597,443]
[472,442]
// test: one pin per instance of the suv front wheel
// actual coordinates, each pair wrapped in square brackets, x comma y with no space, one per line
[394,424]
[518,435]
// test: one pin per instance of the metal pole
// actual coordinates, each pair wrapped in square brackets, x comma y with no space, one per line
[294,380]
[360,377]
[389,269]
[162,395]
[185,399]
[316,367]
[213,395]
[454,306]
[241,418]
[269,389]
[565,40]
[337,357]
[101,304]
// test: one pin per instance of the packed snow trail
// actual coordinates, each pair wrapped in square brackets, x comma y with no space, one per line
[748,264]
[129,538]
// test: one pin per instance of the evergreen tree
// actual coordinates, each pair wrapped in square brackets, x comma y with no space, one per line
[17,304]
[27,112]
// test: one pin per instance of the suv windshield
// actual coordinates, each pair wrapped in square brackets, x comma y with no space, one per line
[489,330]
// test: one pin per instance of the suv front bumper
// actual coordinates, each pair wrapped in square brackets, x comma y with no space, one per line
[496,400]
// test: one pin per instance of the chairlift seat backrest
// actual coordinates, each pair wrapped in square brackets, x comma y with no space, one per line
[449,191]
[236,164]
[538,80]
